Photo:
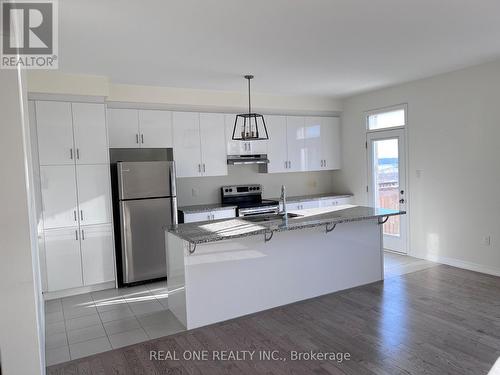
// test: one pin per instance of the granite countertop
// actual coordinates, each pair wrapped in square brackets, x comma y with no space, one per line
[302,198]
[224,229]
[205,207]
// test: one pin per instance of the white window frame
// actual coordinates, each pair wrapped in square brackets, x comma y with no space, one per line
[392,108]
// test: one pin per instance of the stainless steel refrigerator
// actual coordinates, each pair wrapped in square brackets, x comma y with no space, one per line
[148,205]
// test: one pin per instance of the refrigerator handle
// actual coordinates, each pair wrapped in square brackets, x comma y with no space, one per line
[173,192]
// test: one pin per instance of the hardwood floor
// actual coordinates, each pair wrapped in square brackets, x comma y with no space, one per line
[441,320]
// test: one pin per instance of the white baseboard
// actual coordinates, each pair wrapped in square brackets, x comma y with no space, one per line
[461,264]
[47,296]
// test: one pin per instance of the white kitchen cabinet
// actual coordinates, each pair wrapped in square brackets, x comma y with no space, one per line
[303,205]
[91,141]
[199,144]
[242,147]
[97,253]
[331,202]
[55,133]
[313,138]
[277,150]
[212,136]
[187,145]
[330,143]
[59,198]
[295,144]
[223,214]
[192,217]
[155,128]
[62,258]
[123,128]
[94,196]
[132,128]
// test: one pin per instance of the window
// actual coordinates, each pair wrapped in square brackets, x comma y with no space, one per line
[390,118]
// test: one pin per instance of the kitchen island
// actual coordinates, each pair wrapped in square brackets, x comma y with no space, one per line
[223,269]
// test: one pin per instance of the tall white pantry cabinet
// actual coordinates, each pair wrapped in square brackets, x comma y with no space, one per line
[76,194]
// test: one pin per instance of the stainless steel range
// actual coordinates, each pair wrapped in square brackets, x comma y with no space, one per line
[249,200]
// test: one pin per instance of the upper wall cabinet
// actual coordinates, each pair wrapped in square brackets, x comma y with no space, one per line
[198,140]
[330,143]
[123,128]
[277,150]
[71,132]
[299,143]
[132,128]
[322,143]
[155,128]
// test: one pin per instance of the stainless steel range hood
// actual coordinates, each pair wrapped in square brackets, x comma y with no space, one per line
[247,159]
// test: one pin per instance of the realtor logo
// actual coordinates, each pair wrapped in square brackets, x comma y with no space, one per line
[29,34]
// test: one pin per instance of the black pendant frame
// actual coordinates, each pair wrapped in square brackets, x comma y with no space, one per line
[250,123]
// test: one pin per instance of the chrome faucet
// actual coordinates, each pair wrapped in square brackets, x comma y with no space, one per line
[283,200]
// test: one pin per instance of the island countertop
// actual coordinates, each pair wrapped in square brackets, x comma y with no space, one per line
[224,229]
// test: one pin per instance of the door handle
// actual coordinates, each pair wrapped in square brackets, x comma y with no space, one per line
[289,164]
[137,138]
[71,153]
[401,201]
[325,163]
[78,153]
[199,168]
[76,234]
[74,214]
[81,215]
[204,169]
[83,235]
[142,138]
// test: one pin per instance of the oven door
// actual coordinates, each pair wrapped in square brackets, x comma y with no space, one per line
[258,211]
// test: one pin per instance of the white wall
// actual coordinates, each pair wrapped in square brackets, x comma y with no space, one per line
[207,189]
[56,83]
[21,312]
[454,139]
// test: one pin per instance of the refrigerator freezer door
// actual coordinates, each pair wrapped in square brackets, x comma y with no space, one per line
[143,223]
[149,179]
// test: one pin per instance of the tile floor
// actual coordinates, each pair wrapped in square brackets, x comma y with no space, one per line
[396,264]
[95,322]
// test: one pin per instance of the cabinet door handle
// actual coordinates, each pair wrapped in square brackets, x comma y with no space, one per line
[81,215]
[71,153]
[78,153]
[204,169]
[74,214]
[208,217]
[142,138]
[289,164]
[83,235]
[199,168]
[137,138]
[285,164]
[325,162]
[76,234]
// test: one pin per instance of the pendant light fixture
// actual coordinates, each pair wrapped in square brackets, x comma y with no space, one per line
[249,126]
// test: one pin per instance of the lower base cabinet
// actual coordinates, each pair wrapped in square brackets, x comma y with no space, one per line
[63,259]
[97,254]
[79,256]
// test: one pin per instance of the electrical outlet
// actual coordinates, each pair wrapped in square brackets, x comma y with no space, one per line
[194,192]
[486,241]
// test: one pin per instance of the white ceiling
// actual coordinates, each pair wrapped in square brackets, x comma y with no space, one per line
[293,47]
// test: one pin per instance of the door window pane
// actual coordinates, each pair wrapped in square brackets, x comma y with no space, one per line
[386,180]
[388,119]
